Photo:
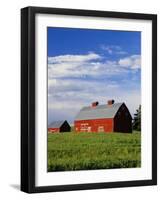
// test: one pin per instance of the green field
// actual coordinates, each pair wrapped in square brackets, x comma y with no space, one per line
[84,151]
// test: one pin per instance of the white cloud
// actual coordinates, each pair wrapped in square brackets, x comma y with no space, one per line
[51,82]
[133,62]
[66,105]
[113,49]
[67,97]
[91,65]
[75,81]
[72,65]
[73,58]
[121,52]
[80,86]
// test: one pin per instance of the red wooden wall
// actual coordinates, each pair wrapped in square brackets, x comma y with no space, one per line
[53,130]
[94,125]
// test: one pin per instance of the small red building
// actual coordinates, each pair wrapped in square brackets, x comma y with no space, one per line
[59,126]
[111,117]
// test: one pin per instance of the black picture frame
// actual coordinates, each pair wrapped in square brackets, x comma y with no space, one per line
[28,98]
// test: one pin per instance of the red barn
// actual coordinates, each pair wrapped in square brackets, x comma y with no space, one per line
[111,117]
[59,126]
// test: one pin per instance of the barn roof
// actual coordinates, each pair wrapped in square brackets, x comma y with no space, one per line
[99,112]
[56,124]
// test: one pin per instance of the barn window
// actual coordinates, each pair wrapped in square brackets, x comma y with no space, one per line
[101,129]
[84,127]
[126,114]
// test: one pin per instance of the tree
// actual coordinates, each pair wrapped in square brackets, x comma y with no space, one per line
[137,119]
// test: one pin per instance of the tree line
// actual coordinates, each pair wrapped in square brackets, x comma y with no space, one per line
[137,120]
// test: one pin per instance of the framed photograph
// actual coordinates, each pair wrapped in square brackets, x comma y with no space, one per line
[88,99]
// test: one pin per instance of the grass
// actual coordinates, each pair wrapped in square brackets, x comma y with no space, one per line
[85,151]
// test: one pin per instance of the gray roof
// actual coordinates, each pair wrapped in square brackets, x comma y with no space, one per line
[56,124]
[99,112]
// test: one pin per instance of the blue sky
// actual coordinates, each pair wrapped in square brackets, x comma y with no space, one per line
[86,65]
